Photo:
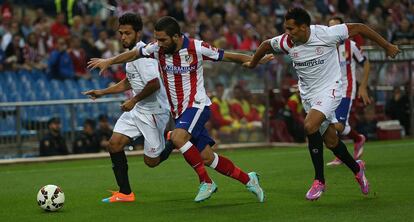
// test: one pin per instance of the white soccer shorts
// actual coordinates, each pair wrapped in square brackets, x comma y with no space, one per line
[134,124]
[326,102]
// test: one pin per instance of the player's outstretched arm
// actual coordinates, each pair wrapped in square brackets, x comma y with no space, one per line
[103,64]
[121,86]
[363,88]
[243,58]
[263,49]
[364,30]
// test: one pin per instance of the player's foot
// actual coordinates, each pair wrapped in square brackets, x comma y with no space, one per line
[205,191]
[361,179]
[119,197]
[315,191]
[254,186]
[359,147]
[334,162]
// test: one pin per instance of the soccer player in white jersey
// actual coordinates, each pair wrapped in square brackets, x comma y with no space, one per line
[312,49]
[349,54]
[181,64]
[144,114]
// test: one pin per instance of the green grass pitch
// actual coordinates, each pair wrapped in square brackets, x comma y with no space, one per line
[166,193]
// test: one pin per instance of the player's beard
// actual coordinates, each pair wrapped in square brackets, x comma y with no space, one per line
[171,49]
[132,44]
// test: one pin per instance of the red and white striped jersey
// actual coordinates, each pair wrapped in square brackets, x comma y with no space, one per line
[349,54]
[316,61]
[182,72]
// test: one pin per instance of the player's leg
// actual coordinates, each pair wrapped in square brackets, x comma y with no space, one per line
[120,169]
[226,167]
[169,145]
[187,127]
[312,123]
[152,127]
[125,129]
[341,114]
[339,149]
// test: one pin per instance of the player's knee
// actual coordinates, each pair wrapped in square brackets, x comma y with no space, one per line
[310,128]
[115,146]
[208,160]
[331,143]
[151,162]
[179,137]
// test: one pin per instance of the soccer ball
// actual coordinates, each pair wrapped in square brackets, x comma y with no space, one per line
[50,198]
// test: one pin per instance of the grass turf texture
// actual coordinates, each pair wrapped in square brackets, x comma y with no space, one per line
[166,193]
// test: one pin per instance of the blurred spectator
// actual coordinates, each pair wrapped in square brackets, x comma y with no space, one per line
[87,141]
[60,64]
[404,34]
[53,143]
[58,28]
[102,42]
[220,112]
[104,132]
[79,59]
[77,27]
[32,57]
[88,44]
[398,107]
[296,119]
[10,31]
[238,105]
[14,54]
[250,41]
[26,26]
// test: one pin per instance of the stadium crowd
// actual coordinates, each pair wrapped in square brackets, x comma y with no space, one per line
[59,37]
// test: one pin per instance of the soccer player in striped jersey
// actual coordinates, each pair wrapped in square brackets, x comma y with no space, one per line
[313,51]
[181,65]
[349,54]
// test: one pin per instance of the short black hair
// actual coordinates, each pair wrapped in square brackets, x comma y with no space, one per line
[90,122]
[300,15]
[131,19]
[102,117]
[219,84]
[169,25]
[340,19]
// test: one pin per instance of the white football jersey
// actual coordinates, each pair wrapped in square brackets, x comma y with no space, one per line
[139,73]
[349,54]
[316,61]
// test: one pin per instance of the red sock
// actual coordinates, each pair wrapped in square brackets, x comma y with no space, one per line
[354,135]
[226,167]
[193,158]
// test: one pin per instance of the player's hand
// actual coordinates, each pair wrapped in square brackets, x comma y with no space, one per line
[102,64]
[128,105]
[267,58]
[392,50]
[363,94]
[93,94]
[248,65]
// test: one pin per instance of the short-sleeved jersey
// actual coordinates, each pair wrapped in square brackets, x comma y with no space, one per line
[182,72]
[139,73]
[349,54]
[316,61]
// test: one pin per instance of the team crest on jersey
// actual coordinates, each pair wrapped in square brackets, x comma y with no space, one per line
[295,55]
[319,50]
[188,58]
[275,43]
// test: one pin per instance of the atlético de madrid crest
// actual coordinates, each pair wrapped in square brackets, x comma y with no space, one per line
[188,58]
